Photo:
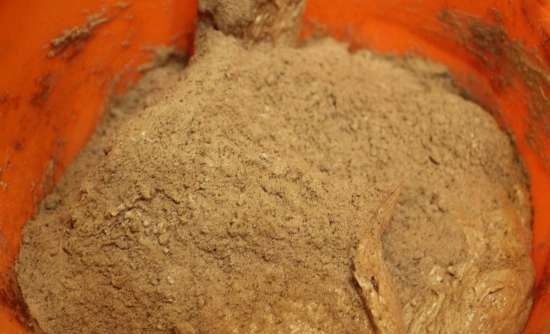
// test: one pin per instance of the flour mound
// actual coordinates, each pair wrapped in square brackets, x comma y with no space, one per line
[232,197]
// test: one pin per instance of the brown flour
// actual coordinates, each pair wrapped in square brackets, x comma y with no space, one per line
[249,194]
[75,35]
[256,20]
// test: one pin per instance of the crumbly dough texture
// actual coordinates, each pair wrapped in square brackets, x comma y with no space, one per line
[277,190]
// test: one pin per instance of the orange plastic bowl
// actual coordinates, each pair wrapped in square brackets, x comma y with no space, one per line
[52,94]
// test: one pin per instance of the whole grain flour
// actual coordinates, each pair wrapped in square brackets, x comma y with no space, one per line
[269,189]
